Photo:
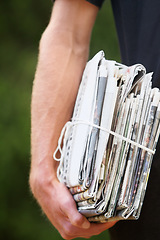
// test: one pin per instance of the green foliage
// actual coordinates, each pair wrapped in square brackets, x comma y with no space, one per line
[22,23]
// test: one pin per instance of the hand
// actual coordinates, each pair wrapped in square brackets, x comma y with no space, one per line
[60,208]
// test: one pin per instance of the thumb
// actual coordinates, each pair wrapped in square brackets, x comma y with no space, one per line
[75,218]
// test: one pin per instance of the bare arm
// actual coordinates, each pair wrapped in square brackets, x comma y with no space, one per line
[64,48]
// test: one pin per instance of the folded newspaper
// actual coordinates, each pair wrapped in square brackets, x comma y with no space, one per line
[109,143]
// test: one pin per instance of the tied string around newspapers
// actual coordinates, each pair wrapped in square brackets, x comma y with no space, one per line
[108,145]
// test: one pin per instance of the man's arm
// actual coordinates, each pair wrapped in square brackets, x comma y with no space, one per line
[64,48]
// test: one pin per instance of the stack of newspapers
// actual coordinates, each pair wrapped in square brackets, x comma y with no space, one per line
[106,149]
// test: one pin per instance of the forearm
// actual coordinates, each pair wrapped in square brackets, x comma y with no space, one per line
[63,53]
[56,83]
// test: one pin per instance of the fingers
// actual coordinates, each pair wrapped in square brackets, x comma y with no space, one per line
[70,232]
[102,226]
[78,220]
[72,224]
[60,208]
[75,218]
[97,228]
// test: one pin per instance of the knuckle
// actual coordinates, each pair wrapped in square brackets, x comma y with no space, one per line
[68,199]
[68,231]
[66,202]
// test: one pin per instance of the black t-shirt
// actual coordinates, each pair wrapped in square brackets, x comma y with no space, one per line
[98,3]
[138,31]
[138,28]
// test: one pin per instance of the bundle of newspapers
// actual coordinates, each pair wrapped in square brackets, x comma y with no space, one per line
[107,147]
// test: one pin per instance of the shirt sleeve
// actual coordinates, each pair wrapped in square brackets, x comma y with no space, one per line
[97,3]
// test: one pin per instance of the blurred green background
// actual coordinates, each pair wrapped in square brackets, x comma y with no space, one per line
[21,26]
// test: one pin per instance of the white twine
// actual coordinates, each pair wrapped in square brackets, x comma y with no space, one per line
[69,124]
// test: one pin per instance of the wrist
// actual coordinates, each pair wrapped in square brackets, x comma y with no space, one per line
[43,175]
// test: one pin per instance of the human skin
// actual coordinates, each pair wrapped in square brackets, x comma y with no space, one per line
[63,53]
